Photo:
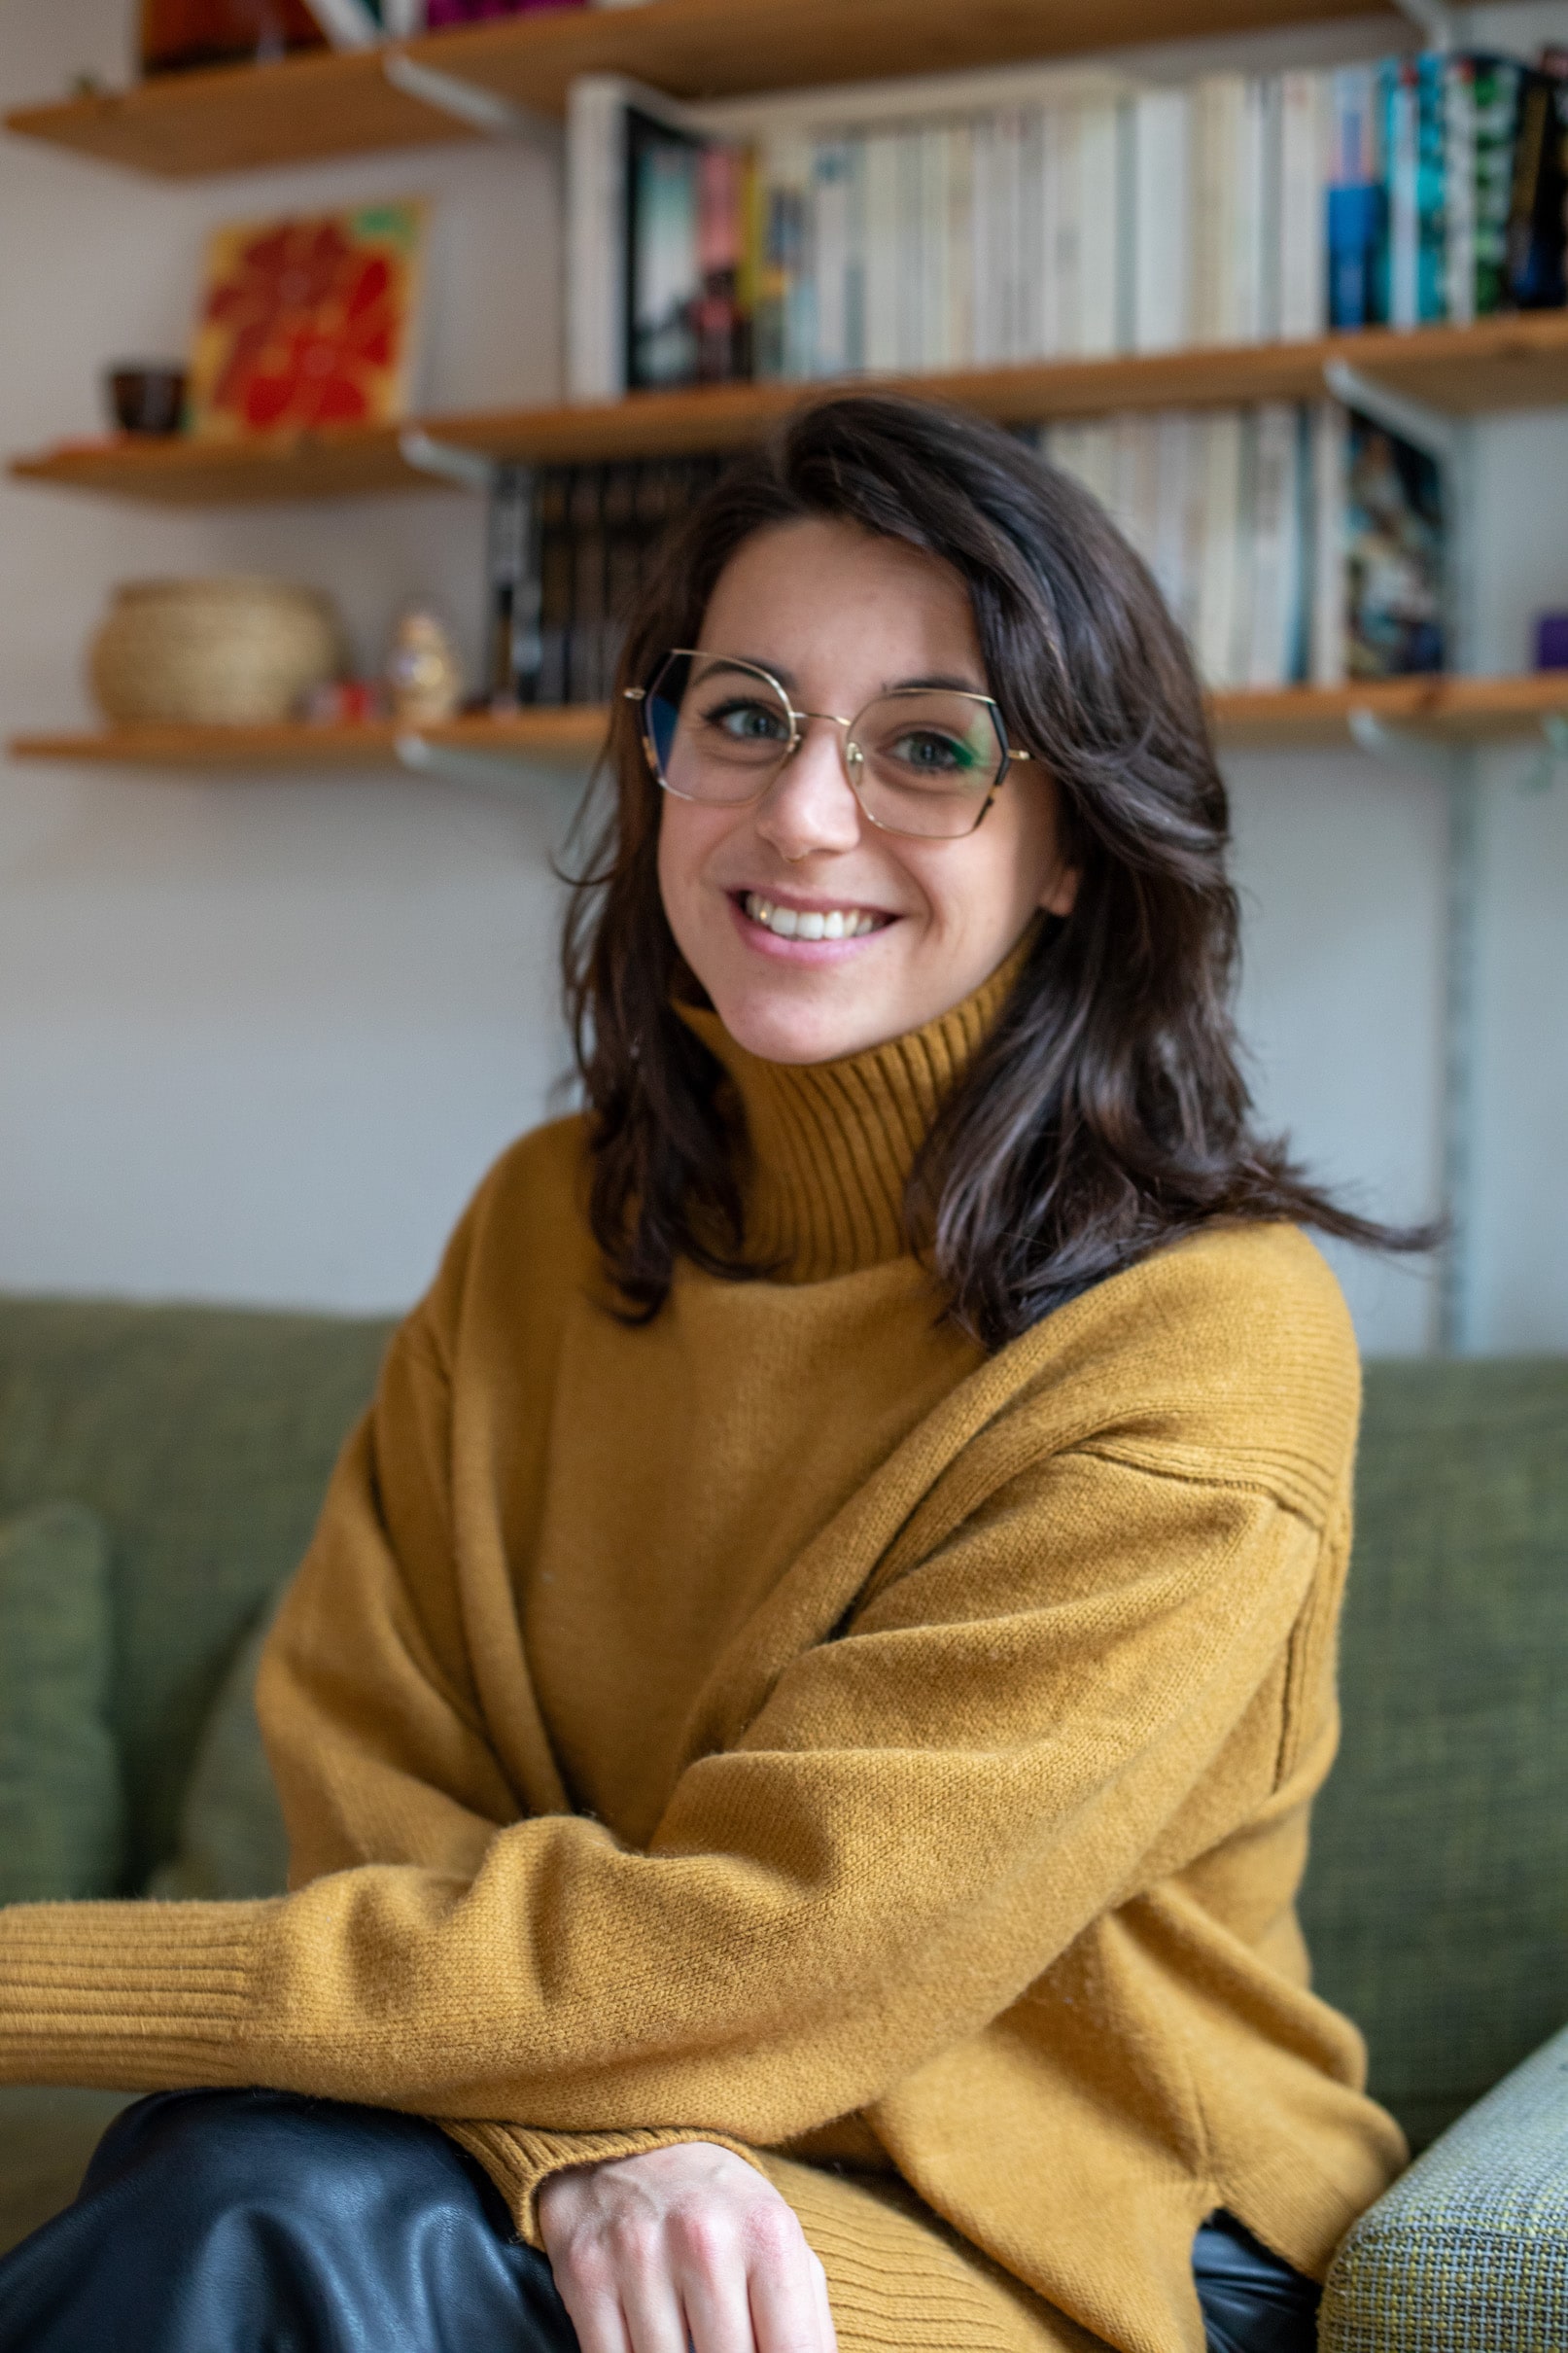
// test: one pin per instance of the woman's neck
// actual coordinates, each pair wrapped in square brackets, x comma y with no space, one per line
[830,1144]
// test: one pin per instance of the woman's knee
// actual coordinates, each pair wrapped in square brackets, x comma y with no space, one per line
[212,2153]
[225,2222]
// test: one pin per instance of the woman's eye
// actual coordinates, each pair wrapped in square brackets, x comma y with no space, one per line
[748,723]
[932,754]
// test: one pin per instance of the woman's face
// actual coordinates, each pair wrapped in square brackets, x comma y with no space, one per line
[839,615]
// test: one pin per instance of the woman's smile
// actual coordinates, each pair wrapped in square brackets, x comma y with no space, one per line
[776,922]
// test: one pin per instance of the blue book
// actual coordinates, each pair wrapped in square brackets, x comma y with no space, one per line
[1357,223]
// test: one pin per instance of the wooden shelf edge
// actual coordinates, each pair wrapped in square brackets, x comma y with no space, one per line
[228,118]
[1504,363]
[1467,708]
[574,733]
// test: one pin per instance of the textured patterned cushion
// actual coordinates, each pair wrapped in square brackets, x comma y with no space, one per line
[61,1811]
[1468,2253]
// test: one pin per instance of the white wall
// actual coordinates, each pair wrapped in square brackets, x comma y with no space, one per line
[258,1039]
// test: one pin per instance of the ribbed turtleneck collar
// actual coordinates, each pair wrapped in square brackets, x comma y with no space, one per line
[832,1143]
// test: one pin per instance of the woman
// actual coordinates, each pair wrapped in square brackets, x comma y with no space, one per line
[798,1723]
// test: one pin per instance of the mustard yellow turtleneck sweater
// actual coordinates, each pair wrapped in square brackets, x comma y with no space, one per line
[785,1725]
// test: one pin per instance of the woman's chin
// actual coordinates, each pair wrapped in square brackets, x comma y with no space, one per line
[775,1025]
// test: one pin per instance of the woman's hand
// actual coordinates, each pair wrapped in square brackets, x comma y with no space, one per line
[684,2244]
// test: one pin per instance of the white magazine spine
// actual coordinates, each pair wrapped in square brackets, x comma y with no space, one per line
[1160,242]
[1093,229]
[958,231]
[881,251]
[1303,134]
[1218,596]
[1331,490]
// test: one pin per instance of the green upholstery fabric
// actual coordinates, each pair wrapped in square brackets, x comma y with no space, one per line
[1469,2252]
[1437,1898]
[46,2139]
[62,1807]
[204,1437]
[232,1842]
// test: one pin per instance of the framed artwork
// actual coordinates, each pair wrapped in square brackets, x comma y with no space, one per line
[308,322]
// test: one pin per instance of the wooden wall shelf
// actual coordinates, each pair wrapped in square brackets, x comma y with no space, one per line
[1505,363]
[184,125]
[1456,710]
[572,734]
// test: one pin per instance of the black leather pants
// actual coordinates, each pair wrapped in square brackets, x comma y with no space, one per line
[253,2222]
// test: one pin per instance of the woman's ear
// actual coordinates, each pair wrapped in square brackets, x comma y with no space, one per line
[1061,894]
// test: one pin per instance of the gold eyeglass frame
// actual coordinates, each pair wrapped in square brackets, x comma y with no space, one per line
[851,756]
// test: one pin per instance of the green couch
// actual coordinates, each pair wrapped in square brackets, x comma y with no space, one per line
[1436,1901]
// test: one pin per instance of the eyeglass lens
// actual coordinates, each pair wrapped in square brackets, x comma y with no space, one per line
[921,760]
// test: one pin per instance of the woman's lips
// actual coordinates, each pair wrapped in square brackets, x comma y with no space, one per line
[799,933]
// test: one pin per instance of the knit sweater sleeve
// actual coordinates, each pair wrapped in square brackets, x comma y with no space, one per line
[922,1815]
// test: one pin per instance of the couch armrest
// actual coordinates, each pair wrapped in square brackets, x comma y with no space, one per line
[1468,2253]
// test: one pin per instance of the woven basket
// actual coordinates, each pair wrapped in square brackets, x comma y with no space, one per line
[213,654]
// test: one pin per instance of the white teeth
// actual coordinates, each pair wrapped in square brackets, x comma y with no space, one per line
[789,923]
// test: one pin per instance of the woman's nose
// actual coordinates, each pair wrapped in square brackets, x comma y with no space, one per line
[809,805]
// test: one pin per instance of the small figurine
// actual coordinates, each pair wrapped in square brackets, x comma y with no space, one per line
[424,674]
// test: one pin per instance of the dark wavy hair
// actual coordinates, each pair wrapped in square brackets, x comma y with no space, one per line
[1106,1113]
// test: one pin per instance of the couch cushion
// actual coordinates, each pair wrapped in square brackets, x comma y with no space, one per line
[62,1807]
[1468,2253]
[204,1437]
[232,1842]
[1437,1898]
[46,2140]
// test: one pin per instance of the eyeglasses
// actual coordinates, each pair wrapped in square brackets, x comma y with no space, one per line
[923,760]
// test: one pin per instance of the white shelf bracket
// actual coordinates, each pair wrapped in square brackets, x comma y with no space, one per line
[1553,760]
[467,468]
[1458,769]
[1408,746]
[460,767]
[1434,18]
[478,109]
[1430,429]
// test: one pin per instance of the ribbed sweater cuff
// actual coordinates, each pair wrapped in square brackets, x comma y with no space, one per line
[125,1997]
[520,2160]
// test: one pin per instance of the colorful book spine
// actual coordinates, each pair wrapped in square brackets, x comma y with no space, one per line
[1415,113]
[1538,207]
[1357,211]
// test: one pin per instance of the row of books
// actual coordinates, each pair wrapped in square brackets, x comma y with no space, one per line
[1101,218]
[569,547]
[1294,545]
[1291,543]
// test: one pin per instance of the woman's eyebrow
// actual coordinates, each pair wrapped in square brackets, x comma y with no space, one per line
[955,684]
[748,661]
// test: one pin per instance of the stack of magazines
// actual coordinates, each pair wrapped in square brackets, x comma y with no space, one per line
[901,228]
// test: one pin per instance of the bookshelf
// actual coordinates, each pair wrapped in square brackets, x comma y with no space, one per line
[1454,711]
[1519,361]
[306,108]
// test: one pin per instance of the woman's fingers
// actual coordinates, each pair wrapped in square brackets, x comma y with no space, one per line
[708,2256]
[647,2273]
[788,2287]
[683,2246]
